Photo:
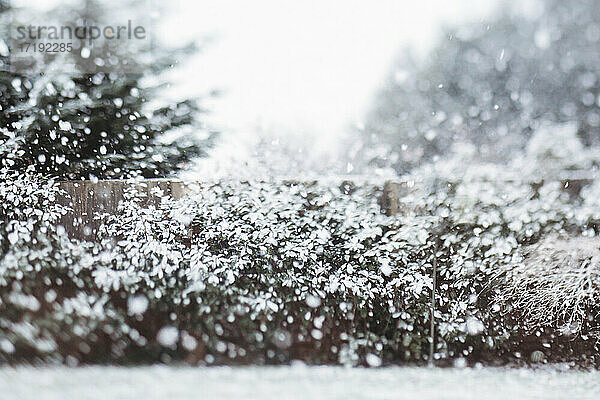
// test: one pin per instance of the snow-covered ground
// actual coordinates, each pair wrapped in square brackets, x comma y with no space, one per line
[297,382]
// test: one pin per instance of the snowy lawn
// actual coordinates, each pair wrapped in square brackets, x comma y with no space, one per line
[298,382]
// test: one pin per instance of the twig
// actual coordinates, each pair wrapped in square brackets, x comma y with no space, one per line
[432,308]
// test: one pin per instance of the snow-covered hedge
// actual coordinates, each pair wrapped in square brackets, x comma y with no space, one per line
[267,272]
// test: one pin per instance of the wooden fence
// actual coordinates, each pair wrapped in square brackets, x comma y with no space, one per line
[87,199]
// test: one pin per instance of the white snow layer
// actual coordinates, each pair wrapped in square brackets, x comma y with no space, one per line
[296,382]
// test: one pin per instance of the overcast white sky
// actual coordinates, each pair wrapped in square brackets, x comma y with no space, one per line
[306,69]
[303,67]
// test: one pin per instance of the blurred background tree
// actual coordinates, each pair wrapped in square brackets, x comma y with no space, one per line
[492,86]
[97,111]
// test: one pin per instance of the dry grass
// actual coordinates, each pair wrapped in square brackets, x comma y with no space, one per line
[555,283]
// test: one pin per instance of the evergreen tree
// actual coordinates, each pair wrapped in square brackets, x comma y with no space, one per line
[11,94]
[83,116]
